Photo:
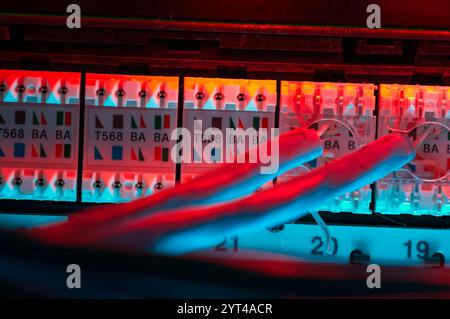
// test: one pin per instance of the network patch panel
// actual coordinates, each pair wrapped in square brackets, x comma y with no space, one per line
[422,187]
[128,126]
[225,104]
[39,118]
[129,122]
[346,110]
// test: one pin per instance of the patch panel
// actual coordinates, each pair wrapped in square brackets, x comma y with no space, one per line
[39,115]
[221,104]
[422,187]
[347,111]
[129,121]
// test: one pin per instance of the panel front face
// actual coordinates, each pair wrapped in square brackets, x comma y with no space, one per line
[247,106]
[346,110]
[39,118]
[421,187]
[128,126]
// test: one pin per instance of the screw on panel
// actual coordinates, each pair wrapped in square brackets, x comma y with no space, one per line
[437,260]
[162,94]
[59,182]
[40,182]
[142,95]
[357,257]
[17,181]
[97,184]
[240,97]
[158,186]
[199,95]
[100,92]
[20,88]
[120,93]
[260,98]
[43,89]
[2,91]
[63,90]
[117,184]
[139,185]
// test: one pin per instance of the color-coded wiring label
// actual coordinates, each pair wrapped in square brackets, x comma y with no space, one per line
[219,147]
[43,136]
[129,139]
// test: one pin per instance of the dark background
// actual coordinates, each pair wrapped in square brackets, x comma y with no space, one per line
[395,14]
